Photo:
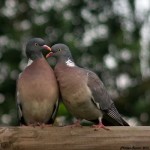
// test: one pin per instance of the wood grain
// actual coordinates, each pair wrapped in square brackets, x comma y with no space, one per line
[77,138]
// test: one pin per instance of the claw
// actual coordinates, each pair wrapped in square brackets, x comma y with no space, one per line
[76,124]
[100,126]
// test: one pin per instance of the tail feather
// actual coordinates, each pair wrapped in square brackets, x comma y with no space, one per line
[112,115]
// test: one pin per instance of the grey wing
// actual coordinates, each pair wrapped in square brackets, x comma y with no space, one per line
[55,110]
[100,94]
[19,106]
[102,99]
[20,115]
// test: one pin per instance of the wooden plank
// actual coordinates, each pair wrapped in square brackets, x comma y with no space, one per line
[77,138]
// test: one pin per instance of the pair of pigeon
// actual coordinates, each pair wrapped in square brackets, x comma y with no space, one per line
[39,89]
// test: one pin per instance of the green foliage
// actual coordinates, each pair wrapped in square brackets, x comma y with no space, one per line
[99,35]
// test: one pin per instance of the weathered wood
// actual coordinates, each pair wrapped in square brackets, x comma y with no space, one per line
[66,138]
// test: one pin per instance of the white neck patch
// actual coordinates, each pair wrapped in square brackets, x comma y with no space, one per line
[70,63]
[29,62]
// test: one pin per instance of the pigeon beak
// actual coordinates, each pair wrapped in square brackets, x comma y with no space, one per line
[49,54]
[49,49]
[46,47]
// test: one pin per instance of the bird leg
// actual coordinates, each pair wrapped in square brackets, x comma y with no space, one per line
[100,126]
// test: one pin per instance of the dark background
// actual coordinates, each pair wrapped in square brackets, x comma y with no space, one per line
[111,37]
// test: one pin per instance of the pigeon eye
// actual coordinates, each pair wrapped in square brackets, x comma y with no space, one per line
[59,49]
[36,44]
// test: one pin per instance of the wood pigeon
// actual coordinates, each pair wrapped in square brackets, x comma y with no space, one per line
[83,93]
[37,90]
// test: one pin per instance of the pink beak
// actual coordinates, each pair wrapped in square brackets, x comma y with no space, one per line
[46,47]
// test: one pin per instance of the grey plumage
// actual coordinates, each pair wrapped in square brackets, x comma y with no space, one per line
[82,91]
[37,90]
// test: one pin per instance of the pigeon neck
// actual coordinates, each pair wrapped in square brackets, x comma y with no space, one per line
[36,56]
[29,62]
[68,61]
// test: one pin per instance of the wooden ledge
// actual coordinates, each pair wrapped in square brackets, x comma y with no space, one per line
[67,138]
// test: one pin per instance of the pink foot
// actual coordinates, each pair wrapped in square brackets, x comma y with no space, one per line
[42,125]
[76,124]
[99,126]
[45,125]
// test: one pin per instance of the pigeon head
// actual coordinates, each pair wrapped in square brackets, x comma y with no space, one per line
[35,47]
[59,50]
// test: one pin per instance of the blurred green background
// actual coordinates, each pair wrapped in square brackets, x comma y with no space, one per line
[111,37]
